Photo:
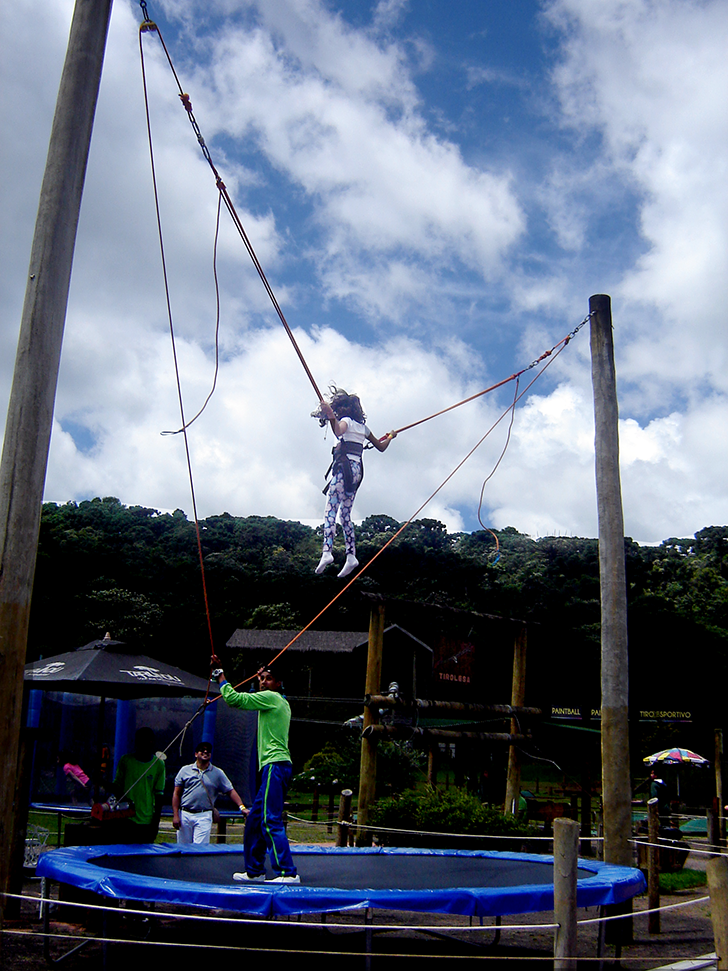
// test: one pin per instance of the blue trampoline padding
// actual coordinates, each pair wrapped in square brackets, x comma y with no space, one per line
[467,882]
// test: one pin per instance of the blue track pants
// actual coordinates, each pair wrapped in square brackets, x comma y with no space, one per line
[264,830]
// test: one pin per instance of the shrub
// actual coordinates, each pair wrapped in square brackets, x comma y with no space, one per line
[450,814]
[398,766]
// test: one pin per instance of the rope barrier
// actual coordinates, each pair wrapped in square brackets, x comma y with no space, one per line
[702,961]
[263,922]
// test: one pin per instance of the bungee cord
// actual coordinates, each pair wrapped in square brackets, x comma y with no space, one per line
[148,25]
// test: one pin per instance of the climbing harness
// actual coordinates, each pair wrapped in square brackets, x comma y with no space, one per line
[341,452]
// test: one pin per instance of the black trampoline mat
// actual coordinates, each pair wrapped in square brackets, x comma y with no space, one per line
[346,871]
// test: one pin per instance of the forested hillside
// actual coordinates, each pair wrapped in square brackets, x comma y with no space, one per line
[130,570]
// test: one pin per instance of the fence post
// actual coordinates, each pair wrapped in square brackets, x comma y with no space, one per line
[717,869]
[342,827]
[653,865]
[566,842]
[713,825]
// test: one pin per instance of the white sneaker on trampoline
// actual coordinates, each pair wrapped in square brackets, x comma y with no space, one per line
[246,877]
[326,558]
[285,878]
[351,564]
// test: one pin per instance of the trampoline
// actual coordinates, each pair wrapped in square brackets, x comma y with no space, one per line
[467,882]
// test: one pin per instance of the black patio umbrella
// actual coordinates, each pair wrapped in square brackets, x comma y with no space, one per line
[104,669]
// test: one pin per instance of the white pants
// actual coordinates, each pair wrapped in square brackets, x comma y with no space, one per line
[195,827]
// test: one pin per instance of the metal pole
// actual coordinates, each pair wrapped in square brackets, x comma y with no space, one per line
[616,786]
[30,412]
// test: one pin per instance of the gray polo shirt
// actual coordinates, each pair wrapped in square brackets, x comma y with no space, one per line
[195,797]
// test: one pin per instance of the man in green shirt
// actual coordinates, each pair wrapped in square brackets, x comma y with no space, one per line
[264,830]
[141,778]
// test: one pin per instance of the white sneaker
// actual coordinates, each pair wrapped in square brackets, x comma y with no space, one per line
[351,564]
[283,878]
[326,558]
[246,878]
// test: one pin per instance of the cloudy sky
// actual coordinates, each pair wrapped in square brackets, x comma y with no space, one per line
[434,189]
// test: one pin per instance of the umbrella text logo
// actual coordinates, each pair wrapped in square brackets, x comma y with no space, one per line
[142,673]
[53,668]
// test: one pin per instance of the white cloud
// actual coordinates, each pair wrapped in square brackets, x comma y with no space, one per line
[366,211]
[652,84]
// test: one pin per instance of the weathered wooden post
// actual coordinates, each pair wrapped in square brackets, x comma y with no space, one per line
[518,700]
[330,811]
[30,412]
[431,767]
[718,764]
[368,764]
[717,869]
[616,785]
[653,866]
[566,842]
[344,822]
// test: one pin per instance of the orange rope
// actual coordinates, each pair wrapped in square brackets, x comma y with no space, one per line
[561,345]
[513,377]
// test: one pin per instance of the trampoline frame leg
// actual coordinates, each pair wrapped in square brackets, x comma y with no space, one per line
[368,935]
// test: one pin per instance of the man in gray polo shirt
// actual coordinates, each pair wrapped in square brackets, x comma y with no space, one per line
[196,787]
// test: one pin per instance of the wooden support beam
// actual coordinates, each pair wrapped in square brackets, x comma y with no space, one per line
[32,399]
[368,763]
[518,696]
[414,731]
[454,707]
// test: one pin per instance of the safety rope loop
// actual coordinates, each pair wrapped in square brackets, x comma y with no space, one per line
[147,23]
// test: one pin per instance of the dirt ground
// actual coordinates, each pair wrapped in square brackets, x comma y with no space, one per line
[686,933]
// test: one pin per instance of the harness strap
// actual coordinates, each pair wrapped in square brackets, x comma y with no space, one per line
[341,452]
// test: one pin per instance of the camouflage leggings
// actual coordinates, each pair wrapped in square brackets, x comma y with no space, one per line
[341,501]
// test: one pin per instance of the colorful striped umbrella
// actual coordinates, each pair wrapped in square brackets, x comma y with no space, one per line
[676,756]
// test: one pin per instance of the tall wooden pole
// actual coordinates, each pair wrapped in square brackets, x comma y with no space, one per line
[718,763]
[368,764]
[518,700]
[616,786]
[30,412]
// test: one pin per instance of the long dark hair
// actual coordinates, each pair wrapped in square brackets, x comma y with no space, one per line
[344,405]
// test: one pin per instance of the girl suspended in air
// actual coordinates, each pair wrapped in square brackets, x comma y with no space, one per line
[347,418]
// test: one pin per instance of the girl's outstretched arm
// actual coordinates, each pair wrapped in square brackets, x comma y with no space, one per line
[381,446]
[338,427]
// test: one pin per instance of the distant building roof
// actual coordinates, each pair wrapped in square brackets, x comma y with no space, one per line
[311,640]
[333,641]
